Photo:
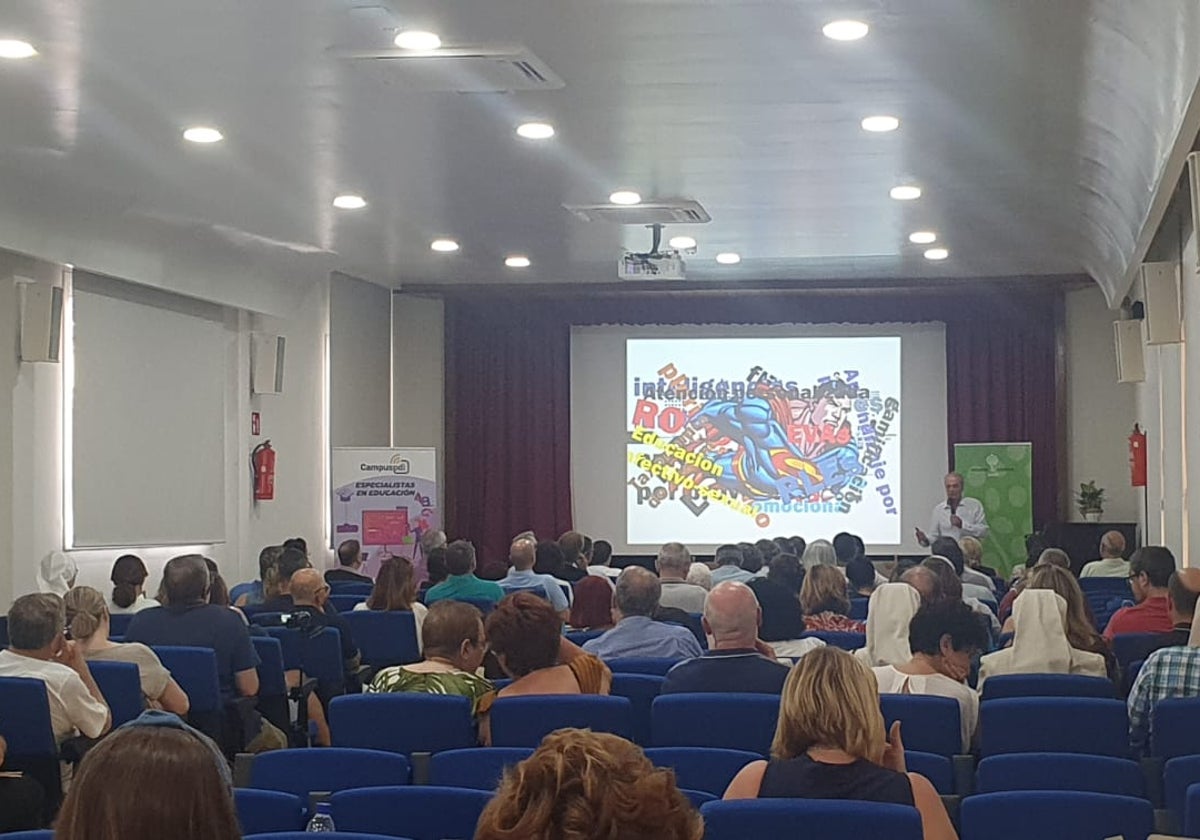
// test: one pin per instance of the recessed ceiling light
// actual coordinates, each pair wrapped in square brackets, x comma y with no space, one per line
[535,130]
[13,49]
[905,192]
[203,134]
[626,197]
[517,261]
[444,246]
[729,258]
[922,237]
[349,201]
[418,39]
[682,243]
[936,254]
[845,30]
[880,123]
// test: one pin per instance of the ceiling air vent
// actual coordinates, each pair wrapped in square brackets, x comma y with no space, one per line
[468,69]
[670,211]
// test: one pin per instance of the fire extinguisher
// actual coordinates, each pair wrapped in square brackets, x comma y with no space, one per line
[262,461]
[1137,457]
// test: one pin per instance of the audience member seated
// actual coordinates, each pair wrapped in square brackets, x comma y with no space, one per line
[56,574]
[798,545]
[944,639]
[22,799]
[1081,627]
[128,578]
[889,616]
[591,608]
[254,593]
[674,562]
[310,594]
[754,562]
[778,596]
[39,649]
[972,550]
[601,562]
[435,567]
[860,572]
[830,744]
[350,560]
[921,578]
[845,548]
[768,550]
[1044,557]
[277,589]
[736,659]
[188,619]
[636,633]
[455,645]
[700,575]
[87,620]
[574,547]
[522,554]
[551,560]
[1183,592]
[1040,644]
[148,781]
[1150,569]
[818,553]
[218,589]
[1167,672]
[823,599]
[395,591]
[299,544]
[581,784]
[462,582]
[974,584]
[728,562]
[1112,562]
[952,589]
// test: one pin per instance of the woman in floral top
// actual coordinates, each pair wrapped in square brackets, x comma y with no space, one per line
[823,599]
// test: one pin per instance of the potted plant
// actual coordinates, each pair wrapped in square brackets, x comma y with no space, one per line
[1090,500]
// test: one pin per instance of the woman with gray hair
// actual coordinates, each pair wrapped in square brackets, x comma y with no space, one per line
[818,553]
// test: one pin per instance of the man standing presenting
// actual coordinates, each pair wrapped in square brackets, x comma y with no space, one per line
[957,517]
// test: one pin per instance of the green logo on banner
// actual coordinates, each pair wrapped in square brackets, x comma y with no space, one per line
[1000,476]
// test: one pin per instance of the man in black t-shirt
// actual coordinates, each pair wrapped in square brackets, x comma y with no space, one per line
[310,594]
[350,560]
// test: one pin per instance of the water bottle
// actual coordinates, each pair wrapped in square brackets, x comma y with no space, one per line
[322,820]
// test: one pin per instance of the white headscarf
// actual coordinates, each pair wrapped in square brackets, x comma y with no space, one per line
[1040,644]
[889,612]
[56,573]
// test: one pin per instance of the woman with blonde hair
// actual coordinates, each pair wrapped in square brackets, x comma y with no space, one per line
[830,744]
[579,785]
[88,623]
[396,590]
[824,601]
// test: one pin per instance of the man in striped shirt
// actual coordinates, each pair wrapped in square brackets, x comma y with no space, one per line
[1169,672]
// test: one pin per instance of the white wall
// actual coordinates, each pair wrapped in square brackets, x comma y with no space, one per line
[419,377]
[360,363]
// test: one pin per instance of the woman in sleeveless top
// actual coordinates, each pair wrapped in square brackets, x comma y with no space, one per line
[525,634]
[830,744]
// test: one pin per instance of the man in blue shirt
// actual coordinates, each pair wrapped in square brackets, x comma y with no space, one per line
[729,565]
[736,660]
[637,634]
[523,554]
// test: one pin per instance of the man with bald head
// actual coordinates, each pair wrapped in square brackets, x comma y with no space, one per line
[736,660]
[310,594]
[637,634]
[522,554]
[1112,562]
[925,581]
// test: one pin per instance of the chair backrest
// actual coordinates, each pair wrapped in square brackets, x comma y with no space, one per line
[272,676]
[479,768]
[422,813]
[121,685]
[1179,774]
[1060,771]
[642,665]
[36,834]
[1055,815]
[405,722]
[929,724]
[1106,585]
[524,721]
[1087,725]
[384,638]
[640,690]
[723,720]
[938,769]
[345,604]
[1191,811]
[1047,685]
[1129,646]
[484,605]
[350,587]
[698,797]
[740,819]
[195,669]
[303,835]
[702,768]
[858,608]
[1173,729]
[25,723]
[578,637]
[320,655]
[833,638]
[268,810]
[119,623]
[304,771]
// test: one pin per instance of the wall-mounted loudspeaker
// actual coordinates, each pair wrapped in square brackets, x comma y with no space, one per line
[1131,366]
[266,363]
[41,321]
[1160,281]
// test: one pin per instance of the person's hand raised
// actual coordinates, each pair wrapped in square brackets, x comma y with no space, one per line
[893,753]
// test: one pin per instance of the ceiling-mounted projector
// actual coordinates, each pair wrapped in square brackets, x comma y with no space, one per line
[654,264]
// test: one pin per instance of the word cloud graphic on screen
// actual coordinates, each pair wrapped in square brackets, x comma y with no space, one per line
[738,438]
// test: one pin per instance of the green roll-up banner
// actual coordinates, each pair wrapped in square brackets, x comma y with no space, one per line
[1000,476]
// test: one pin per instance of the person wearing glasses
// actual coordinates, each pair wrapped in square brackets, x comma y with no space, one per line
[310,594]
[1150,571]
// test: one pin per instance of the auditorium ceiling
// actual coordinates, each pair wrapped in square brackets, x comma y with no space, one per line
[1039,132]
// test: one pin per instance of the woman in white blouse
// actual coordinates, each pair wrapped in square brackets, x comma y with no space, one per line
[128,577]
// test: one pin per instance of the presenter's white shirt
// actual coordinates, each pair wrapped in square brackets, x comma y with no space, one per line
[974,523]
